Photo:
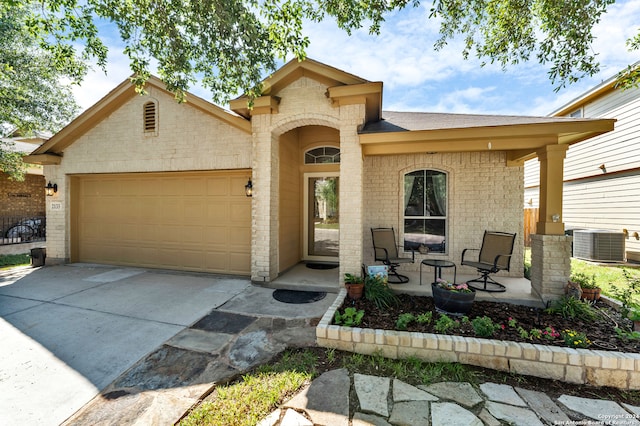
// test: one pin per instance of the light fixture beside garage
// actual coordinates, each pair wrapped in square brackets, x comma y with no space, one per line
[248,189]
[50,189]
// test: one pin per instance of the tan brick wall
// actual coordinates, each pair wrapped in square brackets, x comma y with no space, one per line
[550,265]
[187,139]
[484,194]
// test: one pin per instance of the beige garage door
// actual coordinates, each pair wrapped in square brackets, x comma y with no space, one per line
[195,221]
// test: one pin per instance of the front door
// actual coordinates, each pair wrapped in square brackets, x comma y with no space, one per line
[322,218]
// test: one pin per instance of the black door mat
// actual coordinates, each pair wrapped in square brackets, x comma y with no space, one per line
[296,297]
[318,265]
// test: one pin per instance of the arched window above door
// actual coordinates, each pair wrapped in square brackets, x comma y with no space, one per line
[322,155]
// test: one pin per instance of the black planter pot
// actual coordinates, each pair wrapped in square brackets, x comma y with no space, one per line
[452,303]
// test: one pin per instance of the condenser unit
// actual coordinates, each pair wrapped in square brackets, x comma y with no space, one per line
[598,245]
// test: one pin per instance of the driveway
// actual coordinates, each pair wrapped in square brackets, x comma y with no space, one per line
[67,332]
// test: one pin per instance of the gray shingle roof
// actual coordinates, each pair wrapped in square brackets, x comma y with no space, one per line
[393,121]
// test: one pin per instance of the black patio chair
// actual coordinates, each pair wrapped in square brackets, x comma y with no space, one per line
[495,255]
[385,250]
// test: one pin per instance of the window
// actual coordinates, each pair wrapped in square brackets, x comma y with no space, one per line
[149,119]
[425,210]
[577,113]
[322,155]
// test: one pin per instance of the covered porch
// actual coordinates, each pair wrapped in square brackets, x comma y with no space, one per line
[300,277]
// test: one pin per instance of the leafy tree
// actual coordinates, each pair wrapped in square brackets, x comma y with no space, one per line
[229,45]
[31,94]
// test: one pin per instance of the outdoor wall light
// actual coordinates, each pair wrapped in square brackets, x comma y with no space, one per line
[248,189]
[50,189]
[555,217]
[603,168]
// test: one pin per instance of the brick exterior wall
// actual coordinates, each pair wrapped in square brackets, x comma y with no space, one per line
[188,139]
[484,194]
[550,265]
[22,199]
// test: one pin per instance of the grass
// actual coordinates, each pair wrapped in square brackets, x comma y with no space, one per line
[253,397]
[10,260]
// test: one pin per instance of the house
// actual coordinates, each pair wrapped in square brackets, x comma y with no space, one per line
[149,182]
[602,174]
[21,200]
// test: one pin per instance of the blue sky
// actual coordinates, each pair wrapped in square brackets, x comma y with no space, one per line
[417,78]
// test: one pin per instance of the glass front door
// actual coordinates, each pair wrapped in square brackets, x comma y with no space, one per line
[322,218]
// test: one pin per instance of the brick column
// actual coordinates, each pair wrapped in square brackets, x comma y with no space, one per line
[264,203]
[351,190]
[550,265]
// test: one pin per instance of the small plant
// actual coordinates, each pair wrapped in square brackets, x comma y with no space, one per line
[524,334]
[484,326]
[628,295]
[456,288]
[585,281]
[350,317]
[353,279]
[535,333]
[512,322]
[378,292]
[572,308]
[404,320]
[627,335]
[550,333]
[575,339]
[445,324]
[425,318]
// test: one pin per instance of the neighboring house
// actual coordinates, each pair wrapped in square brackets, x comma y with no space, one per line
[601,175]
[146,181]
[22,199]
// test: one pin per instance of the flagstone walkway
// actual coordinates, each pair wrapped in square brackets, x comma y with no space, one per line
[384,401]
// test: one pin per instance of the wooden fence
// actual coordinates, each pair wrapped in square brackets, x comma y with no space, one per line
[530,220]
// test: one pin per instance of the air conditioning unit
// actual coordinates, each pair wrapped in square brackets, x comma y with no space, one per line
[598,245]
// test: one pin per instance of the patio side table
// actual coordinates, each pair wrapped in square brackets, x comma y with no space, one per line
[437,265]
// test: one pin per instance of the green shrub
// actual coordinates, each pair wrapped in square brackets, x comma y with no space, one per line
[628,295]
[484,326]
[378,292]
[425,318]
[585,281]
[575,339]
[350,317]
[445,324]
[404,320]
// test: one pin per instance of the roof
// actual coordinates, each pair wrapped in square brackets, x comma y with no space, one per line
[522,136]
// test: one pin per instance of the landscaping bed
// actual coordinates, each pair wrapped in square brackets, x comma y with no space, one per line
[512,323]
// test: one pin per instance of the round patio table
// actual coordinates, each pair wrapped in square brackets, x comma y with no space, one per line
[437,265]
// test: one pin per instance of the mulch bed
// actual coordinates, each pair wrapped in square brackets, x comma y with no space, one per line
[601,332]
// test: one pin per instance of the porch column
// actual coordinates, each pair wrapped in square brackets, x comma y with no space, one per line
[551,159]
[351,182]
[550,248]
[264,202]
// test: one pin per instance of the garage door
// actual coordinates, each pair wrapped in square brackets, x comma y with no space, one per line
[195,221]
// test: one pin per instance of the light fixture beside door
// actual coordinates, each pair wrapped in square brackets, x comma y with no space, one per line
[50,189]
[248,189]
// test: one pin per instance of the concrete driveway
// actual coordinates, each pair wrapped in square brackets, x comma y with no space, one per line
[66,332]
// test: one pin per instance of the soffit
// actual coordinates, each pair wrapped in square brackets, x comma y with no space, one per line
[110,103]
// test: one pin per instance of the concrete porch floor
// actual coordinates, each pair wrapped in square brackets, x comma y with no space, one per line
[302,278]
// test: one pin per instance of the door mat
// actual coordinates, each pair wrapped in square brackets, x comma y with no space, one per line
[317,265]
[294,296]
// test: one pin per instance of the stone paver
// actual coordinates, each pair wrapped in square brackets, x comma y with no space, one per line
[517,416]
[372,393]
[450,414]
[405,392]
[606,412]
[544,406]
[461,393]
[326,400]
[410,413]
[502,393]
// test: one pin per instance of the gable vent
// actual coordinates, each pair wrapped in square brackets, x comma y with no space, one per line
[598,245]
[150,119]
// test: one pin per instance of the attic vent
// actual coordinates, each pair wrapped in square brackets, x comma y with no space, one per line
[599,245]
[150,118]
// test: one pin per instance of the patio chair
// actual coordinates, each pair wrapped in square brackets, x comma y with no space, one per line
[385,250]
[495,255]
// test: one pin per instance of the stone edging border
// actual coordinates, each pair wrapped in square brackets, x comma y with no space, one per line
[580,366]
